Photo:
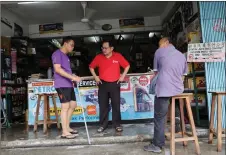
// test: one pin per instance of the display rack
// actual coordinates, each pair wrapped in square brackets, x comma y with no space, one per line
[195,83]
[16,85]
[5,97]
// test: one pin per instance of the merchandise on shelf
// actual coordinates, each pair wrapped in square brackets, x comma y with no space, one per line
[199,66]
[190,83]
[200,82]
[201,98]
[189,68]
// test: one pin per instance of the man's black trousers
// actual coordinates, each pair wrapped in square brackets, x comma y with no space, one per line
[109,90]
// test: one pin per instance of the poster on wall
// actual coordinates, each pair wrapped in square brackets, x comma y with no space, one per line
[131,23]
[51,28]
[135,100]
[206,52]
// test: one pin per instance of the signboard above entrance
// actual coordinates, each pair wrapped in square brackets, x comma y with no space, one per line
[51,28]
[131,22]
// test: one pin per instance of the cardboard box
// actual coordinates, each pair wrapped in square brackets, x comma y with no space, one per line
[194,37]
[200,82]
[200,66]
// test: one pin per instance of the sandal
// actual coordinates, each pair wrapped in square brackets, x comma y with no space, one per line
[68,137]
[74,132]
[119,129]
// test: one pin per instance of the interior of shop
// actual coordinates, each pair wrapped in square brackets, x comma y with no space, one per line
[28,40]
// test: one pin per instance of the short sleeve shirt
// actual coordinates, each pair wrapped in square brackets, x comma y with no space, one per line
[58,57]
[170,67]
[109,68]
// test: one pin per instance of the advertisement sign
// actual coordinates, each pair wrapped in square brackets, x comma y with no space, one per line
[206,52]
[51,28]
[131,23]
[135,102]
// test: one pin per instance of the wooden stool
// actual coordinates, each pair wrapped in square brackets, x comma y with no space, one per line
[185,136]
[218,96]
[46,116]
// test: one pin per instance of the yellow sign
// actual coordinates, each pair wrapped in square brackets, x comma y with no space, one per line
[78,110]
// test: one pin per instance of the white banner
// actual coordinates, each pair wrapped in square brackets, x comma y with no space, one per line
[206,52]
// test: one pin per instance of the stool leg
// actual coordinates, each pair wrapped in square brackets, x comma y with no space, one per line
[172,135]
[37,113]
[182,120]
[45,114]
[190,115]
[56,112]
[48,112]
[212,119]
[219,121]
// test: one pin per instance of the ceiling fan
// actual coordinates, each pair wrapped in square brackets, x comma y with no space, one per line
[88,14]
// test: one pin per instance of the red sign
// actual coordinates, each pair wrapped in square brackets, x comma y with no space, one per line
[125,85]
[43,84]
[143,80]
[91,110]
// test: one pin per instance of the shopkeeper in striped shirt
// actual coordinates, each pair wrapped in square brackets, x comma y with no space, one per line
[109,63]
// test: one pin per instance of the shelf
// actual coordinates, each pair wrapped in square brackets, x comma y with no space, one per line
[197,73]
[15,85]
[199,90]
[12,94]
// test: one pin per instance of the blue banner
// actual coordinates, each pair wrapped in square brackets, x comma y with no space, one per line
[135,103]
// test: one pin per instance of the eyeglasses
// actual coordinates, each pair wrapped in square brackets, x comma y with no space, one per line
[72,45]
[104,48]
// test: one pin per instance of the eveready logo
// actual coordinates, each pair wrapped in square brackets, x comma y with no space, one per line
[115,62]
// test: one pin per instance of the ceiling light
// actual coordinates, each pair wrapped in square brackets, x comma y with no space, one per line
[151,34]
[27,2]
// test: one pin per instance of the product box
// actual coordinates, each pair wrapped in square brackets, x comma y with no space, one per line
[200,82]
[194,37]
[190,83]
[201,100]
[189,68]
[199,66]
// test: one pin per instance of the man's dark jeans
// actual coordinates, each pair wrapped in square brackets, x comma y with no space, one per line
[160,112]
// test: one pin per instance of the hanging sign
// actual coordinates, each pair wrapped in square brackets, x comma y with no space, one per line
[206,52]
[51,28]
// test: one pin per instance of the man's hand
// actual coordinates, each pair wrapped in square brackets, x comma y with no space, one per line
[98,81]
[121,79]
[76,78]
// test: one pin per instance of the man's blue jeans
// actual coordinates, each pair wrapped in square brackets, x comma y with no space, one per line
[160,112]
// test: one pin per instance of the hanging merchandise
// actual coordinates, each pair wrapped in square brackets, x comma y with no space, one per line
[187,11]
[14,61]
